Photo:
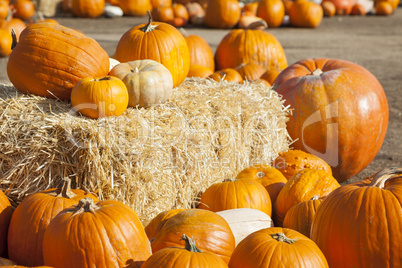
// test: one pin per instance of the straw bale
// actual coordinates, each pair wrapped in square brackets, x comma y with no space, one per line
[151,159]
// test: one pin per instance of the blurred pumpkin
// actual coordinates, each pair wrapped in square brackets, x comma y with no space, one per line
[200,51]
[135,7]
[383,8]
[4,9]
[272,11]
[228,74]
[358,10]
[304,13]
[222,14]
[328,8]
[24,9]
[250,71]
[343,7]
[87,8]
[5,43]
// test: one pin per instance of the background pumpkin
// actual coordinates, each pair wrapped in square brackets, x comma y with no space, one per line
[227,74]
[87,8]
[5,43]
[304,13]
[222,14]
[200,51]
[135,7]
[321,90]
[272,11]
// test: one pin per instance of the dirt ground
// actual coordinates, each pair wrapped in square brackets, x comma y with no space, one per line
[375,42]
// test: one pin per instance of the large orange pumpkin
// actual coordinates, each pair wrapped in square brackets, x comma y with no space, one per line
[5,216]
[272,11]
[360,224]
[102,234]
[156,41]
[156,224]
[277,247]
[222,14]
[256,46]
[340,112]
[25,240]
[50,59]
[87,8]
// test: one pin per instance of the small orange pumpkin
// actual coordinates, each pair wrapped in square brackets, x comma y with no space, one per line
[304,13]
[199,71]
[383,8]
[5,43]
[270,75]
[135,7]
[228,74]
[250,71]
[87,8]
[328,8]
[272,11]
[358,10]
[24,9]
[222,14]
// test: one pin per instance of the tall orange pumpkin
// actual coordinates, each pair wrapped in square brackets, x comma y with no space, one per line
[200,51]
[340,112]
[222,14]
[256,46]
[156,41]
[360,224]
[25,240]
[50,59]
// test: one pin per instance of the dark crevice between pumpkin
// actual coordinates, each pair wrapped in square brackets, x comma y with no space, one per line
[105,78]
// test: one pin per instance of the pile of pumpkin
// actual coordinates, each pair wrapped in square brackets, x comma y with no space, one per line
[318,223]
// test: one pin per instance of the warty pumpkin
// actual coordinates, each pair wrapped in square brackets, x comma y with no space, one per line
[272,11]
[5,216]
[87,8]
[340,112]
[277,247]
[222,14]
[107,234]
[50,59]
[359,224]
[189,256]
[148,82]
[160,42]
[25,240]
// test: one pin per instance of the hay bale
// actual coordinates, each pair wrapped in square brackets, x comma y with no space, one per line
[152,159]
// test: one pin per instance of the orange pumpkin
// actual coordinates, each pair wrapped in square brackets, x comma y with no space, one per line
[261,48]
[343,7]
[272,11]
[270,75]
[277,247]
[301,187]
[25,240]
[328,8]
[188,256]
[210,230]
[250,71]
[160,42]
[300,217]
[383,8]
[304,13]
[50,59]
[222,14]
[359,224]
[87,8]
[200,51]
[271,178]
[244,193]
[340,112]
[228,74]
[135,7]
[394,3]
[5,216]
[292,161]
[107,234]
[11,23]
[199,71]
[358,10]
[5,43]
[156,224]
[24,9]
[161,3]
[163,14]
[181,16]
[4,10]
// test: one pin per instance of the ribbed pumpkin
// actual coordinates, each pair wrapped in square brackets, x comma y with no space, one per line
[270,75]
[148,82]
[292,161]
[359,224]
[222,14]
[277,247]
[5,216]
[340,112]
[199,71]
[301,187]
[228,74]
[250,71]
[189,256]
[244,193]
[25,240]
[210,230]
[272,11]
[50,59]
[156,224]
[87,8]
[271,178]
[102,234]
[200,51]
[304,13]
[156,41]
[135,7]
[256,46]
[300,217]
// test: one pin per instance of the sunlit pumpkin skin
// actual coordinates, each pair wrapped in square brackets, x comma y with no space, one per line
[222,14]
[135,7]
[272,11]
[348,105]
[306,14]
[292,161]
[148,82]
[271,178]
[383,8]
[87,8]
[156,224]
[189,256]
[260,48]
[270,75]
[160,42]
[5,216]
[210,230]
[24,9]
[244,193]
[359,224]
[250,71]
[25,240]
[394,3]
[5,43]
[301,187]
[328,8]
[277,247]
[50,59]
[200,51]
[227,74]
[4,10]
[107,234]
[161,3]
[199,71]
[300,217]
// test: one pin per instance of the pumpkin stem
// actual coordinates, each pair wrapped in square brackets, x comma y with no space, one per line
[105,78]
[14,36]
[190,244]
[381,177]
[148,27]
[281,237]
[260,174]
[183,32]
[64,190]
[317,72]
[85,205]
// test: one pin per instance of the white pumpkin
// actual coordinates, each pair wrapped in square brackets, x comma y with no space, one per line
[111,11]
[244,221]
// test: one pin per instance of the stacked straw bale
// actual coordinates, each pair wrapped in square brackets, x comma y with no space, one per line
[151,159]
